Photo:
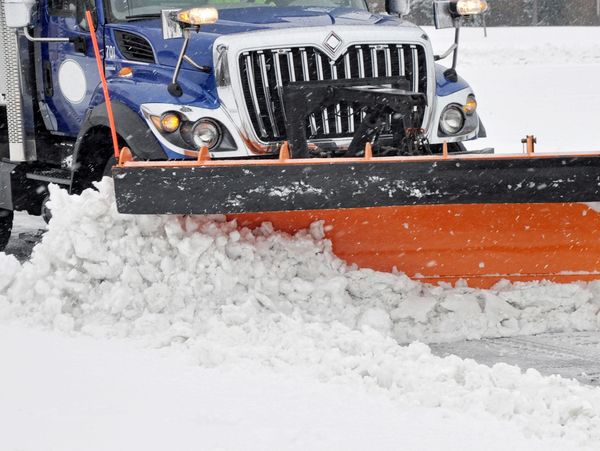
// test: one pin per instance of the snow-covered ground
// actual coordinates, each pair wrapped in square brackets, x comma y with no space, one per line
[58,393]
[269,342]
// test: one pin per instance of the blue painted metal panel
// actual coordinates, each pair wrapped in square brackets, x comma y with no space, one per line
[238,20]
[445,87]
[149,81]
[69,115]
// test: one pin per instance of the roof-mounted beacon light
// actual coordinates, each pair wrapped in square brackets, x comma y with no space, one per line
[198,16]
[469,7]
[180,24]
[451,14]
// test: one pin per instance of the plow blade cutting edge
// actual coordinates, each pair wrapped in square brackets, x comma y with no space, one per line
[480,218]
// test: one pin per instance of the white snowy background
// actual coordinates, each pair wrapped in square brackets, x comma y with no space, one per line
[153,333]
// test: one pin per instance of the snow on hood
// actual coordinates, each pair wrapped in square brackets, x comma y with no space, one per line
[231,296]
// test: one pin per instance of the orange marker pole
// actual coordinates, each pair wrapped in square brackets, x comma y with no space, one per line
[111,117]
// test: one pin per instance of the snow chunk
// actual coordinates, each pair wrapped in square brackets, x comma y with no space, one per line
[417,308]
[10,268]
[377,319]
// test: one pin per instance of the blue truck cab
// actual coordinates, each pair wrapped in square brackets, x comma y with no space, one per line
[228,93]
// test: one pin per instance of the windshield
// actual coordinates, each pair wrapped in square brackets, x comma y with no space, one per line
[136,9]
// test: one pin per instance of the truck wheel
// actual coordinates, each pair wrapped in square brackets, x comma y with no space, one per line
[46,212]
[6,223]
[108,168]
[3,124]
[3,133]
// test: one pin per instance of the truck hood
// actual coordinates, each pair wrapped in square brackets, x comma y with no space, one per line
[243,20]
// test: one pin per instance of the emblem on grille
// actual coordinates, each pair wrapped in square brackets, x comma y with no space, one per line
[333,41]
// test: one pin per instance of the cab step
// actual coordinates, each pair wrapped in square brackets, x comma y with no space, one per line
[58,176]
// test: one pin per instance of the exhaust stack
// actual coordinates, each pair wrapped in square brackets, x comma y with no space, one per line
[19,104]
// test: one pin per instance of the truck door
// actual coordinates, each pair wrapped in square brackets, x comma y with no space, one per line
[68,76]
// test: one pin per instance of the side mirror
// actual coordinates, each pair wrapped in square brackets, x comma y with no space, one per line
[442,17]
[81,6]
[170,27]
[448,13]
[17,13]
[397,7]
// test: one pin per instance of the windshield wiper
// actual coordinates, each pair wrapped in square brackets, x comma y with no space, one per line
[143,16]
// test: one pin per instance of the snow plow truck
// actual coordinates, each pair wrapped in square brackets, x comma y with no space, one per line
[291,112]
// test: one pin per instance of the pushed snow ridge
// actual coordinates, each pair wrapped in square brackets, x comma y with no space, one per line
[234,296]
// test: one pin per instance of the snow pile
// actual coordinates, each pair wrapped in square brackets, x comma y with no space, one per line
[96,269]
[238,297]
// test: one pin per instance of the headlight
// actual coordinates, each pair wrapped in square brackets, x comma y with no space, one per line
[198,16]
[471,7]
[204,133]
[452,120]
[182,133]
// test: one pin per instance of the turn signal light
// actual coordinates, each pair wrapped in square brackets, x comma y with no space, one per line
[126,72]
[471,7]
[471,106]
[198,16]
[168,122]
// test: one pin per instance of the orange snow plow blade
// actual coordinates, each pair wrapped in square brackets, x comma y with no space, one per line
[479,218]
[481,244]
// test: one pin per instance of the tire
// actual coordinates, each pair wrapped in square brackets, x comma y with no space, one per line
[108,167]
[6,224]
[3,124]
[94,160]
[3,133]
[46,212]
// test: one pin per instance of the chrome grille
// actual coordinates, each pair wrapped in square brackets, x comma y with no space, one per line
[265,72]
